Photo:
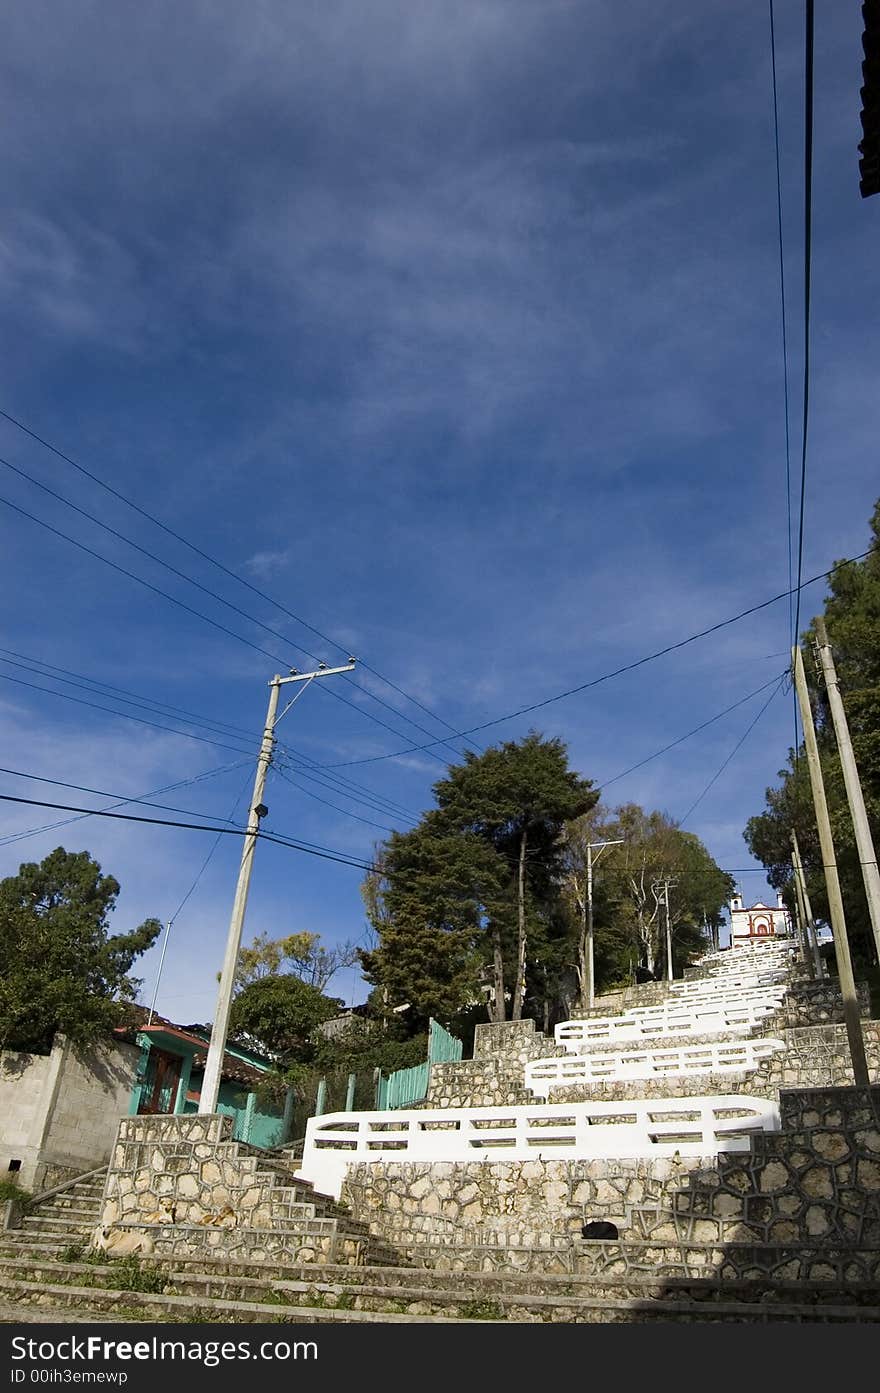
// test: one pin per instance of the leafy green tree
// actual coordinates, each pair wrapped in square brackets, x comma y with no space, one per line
[300,953]
[852,617]
[517,797]
[429,901]
[60,968]
[630,913]
[282,1013]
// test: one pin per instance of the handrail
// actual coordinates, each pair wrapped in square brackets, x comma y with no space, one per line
[578,1035]
[556,1071]
[646,1127]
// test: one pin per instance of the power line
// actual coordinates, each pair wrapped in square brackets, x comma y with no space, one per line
[144,702]
[128,701]
[327,804]
[283,764]
[312,849]
[35,665]
[617,672]
[602,785]
[785,373]
[737,746]
[808,247]
[80,701]
[19,425]
[123,802]
[190,892]
[83,788]
[340,785]
[172,599]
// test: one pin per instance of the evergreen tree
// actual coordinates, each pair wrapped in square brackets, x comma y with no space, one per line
[475,883]
[60,968]
[852,617]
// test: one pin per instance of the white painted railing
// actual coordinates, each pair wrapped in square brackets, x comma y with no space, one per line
[721,1057]
[735,959]
[700,986]
[647,1127]
[578,1035]
[711,1003]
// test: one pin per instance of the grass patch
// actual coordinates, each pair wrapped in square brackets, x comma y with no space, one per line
[481,1310]
[10,1190]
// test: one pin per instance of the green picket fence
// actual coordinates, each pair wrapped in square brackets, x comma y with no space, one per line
[407,1086]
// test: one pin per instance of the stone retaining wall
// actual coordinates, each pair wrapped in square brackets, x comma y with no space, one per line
[188,1161]
[819,1184]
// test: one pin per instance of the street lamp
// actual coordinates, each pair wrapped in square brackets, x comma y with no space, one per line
[663,885]
[587,945]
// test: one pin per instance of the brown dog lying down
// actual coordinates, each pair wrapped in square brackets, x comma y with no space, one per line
[224,1218]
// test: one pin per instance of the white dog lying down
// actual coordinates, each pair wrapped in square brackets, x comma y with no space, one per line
[121,1243]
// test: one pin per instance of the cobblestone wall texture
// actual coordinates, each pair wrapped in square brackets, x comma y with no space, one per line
[818,1183]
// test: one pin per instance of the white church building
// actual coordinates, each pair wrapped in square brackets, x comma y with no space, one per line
[757,922]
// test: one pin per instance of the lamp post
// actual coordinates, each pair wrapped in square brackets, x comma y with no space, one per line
[664,885]
[587,958]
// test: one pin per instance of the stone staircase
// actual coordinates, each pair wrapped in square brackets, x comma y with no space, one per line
[63,1285]
[787,1232]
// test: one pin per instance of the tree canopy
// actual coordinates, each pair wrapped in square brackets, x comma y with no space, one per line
[483,898]
[852,618]
[60,967]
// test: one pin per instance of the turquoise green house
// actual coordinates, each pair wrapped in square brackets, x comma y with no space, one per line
[169,1077]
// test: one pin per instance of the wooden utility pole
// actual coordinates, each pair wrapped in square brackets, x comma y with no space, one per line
[809,921]
[801,920]
[832,881]
[852,783]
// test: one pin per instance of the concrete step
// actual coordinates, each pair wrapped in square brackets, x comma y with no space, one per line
[58,1222]
[52,1210]
[304,1304]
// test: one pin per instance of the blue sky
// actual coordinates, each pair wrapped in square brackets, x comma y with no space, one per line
[455,328]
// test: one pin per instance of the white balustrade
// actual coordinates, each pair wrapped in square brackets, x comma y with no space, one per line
[711,1002]
[577,1035]
[646,1127]
[734,982]
[721,1057]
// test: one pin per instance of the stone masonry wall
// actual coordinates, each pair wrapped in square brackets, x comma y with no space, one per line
[185,1184]
[818,1183]
[495,1076]
[189,1162]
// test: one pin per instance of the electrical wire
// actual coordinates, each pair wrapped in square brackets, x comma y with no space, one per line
[318,799]
[19,425]
[738,746]
[123,802]
[198,614]
[606,783]
[100,793]
[311,848]
[188,895]
[144,702]
[785,366]
[808,246]
[80,701]
[616,672]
